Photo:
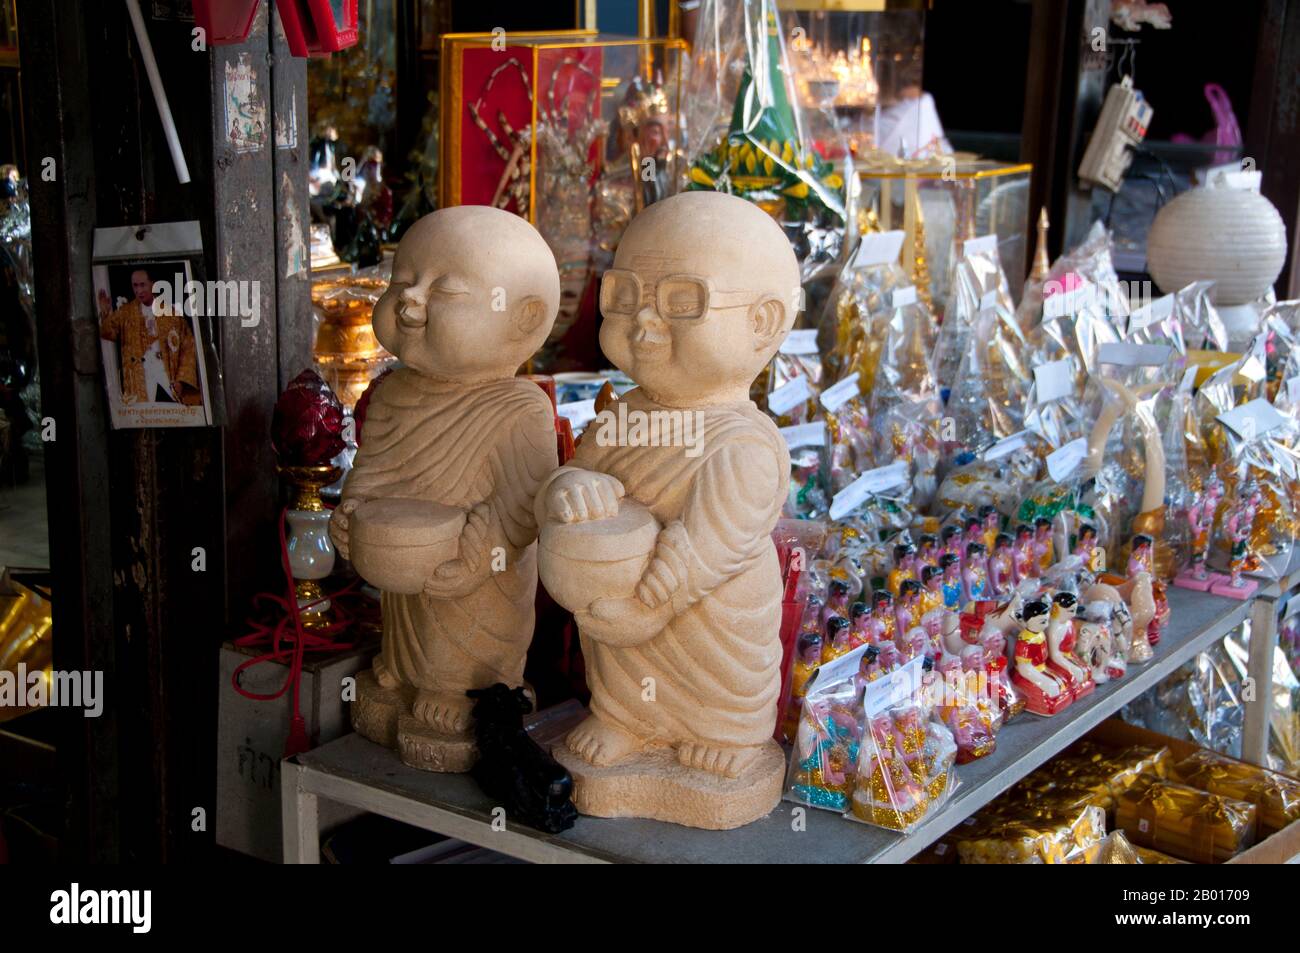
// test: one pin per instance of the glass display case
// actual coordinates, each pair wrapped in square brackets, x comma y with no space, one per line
[575,131]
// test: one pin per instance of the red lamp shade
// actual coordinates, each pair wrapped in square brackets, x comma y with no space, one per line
[318,27]
[225,21]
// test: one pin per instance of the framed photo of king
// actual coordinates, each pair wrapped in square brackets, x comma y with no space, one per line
[150,334]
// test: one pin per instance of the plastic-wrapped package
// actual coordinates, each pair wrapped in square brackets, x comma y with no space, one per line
[1186,822]
[749,137]
[793,380]
[979,284]
[1090,261]
[1199,702]
[1063,836]
[1000,480]
[1275,796]
[828,737]
[871,284]
[986,400]
[906,758]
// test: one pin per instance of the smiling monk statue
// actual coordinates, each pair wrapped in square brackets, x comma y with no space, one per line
[684,669]
[452,439]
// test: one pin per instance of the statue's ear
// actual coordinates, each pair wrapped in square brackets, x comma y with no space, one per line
[529,315]
[769,317]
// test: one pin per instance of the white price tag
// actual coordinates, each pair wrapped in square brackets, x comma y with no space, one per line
[894,689]
[903,296]
[789,396]
[834,397]
[984,245]
[878,248]
[1293,389]
[1063,462]
[873,481]
[803,341]
[1124,354]
[1149,314]
[805,435]
[1007,445]
[1054,380]
[1253,369]
[1252,419]
[1240,179]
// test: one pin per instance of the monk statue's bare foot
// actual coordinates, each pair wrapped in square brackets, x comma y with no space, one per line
[383,674]
[600,743]
[728,762]
[444,711]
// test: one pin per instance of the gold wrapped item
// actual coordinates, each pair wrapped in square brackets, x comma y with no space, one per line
[1186,822]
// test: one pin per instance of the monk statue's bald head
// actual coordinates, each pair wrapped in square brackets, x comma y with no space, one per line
[474,293]
[703,290]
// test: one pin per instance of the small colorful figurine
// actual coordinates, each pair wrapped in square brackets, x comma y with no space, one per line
[837,638]
[907,614]
[1001,571]
[975,574]
[992,523]
[1043,548]
[927,550]
[950,565]
[882,625]
[1140,556]
[808,657]
[1237,524]
[904,568]
[1023,564]
[859,615]
[1200,519]
[837,600]
[1044,692]
[1060,646]
[950,540]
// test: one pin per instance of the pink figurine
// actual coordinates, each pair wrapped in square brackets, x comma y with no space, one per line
[1023,564]
[975,574]
[1140,557]
[1043,553]
[880,627]
[1200,519]
[859,616]
[1001,573]
[1238,523]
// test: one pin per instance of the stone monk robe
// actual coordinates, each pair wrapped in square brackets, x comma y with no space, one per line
[685,671]
[474,293]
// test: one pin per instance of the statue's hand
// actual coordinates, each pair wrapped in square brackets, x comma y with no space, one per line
[581,495]
[622,622]
[466,572]
[339,525]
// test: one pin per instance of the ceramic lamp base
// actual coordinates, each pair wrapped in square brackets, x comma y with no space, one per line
[656,785]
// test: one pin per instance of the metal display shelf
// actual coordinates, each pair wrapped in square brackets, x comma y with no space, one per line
[359,773]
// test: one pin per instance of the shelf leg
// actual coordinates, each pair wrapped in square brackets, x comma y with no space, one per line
[1259,669]
[300,826]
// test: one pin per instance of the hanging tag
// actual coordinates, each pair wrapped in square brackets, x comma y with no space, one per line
[1062,463]
[1252,419]
[1007,445]
[1126,354]
[803,341]
[984,245]
[903,296]
[1150,314]
[805,435]
[878,248]
[873,481]
[1054,380]
[789,396]
[836,396]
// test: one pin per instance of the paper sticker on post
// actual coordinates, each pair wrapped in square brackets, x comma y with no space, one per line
[805,435]
[1054,380]
[835,397]
[789,396]
[873,481]
[1252,419]
[1062,463]
[803,341]
[879,248]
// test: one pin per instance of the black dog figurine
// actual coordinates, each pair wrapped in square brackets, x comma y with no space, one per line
[512,768]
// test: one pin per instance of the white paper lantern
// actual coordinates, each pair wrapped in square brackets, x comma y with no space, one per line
[1234,237]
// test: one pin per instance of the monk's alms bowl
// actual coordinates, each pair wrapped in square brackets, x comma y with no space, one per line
[579,563]
[396,544]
